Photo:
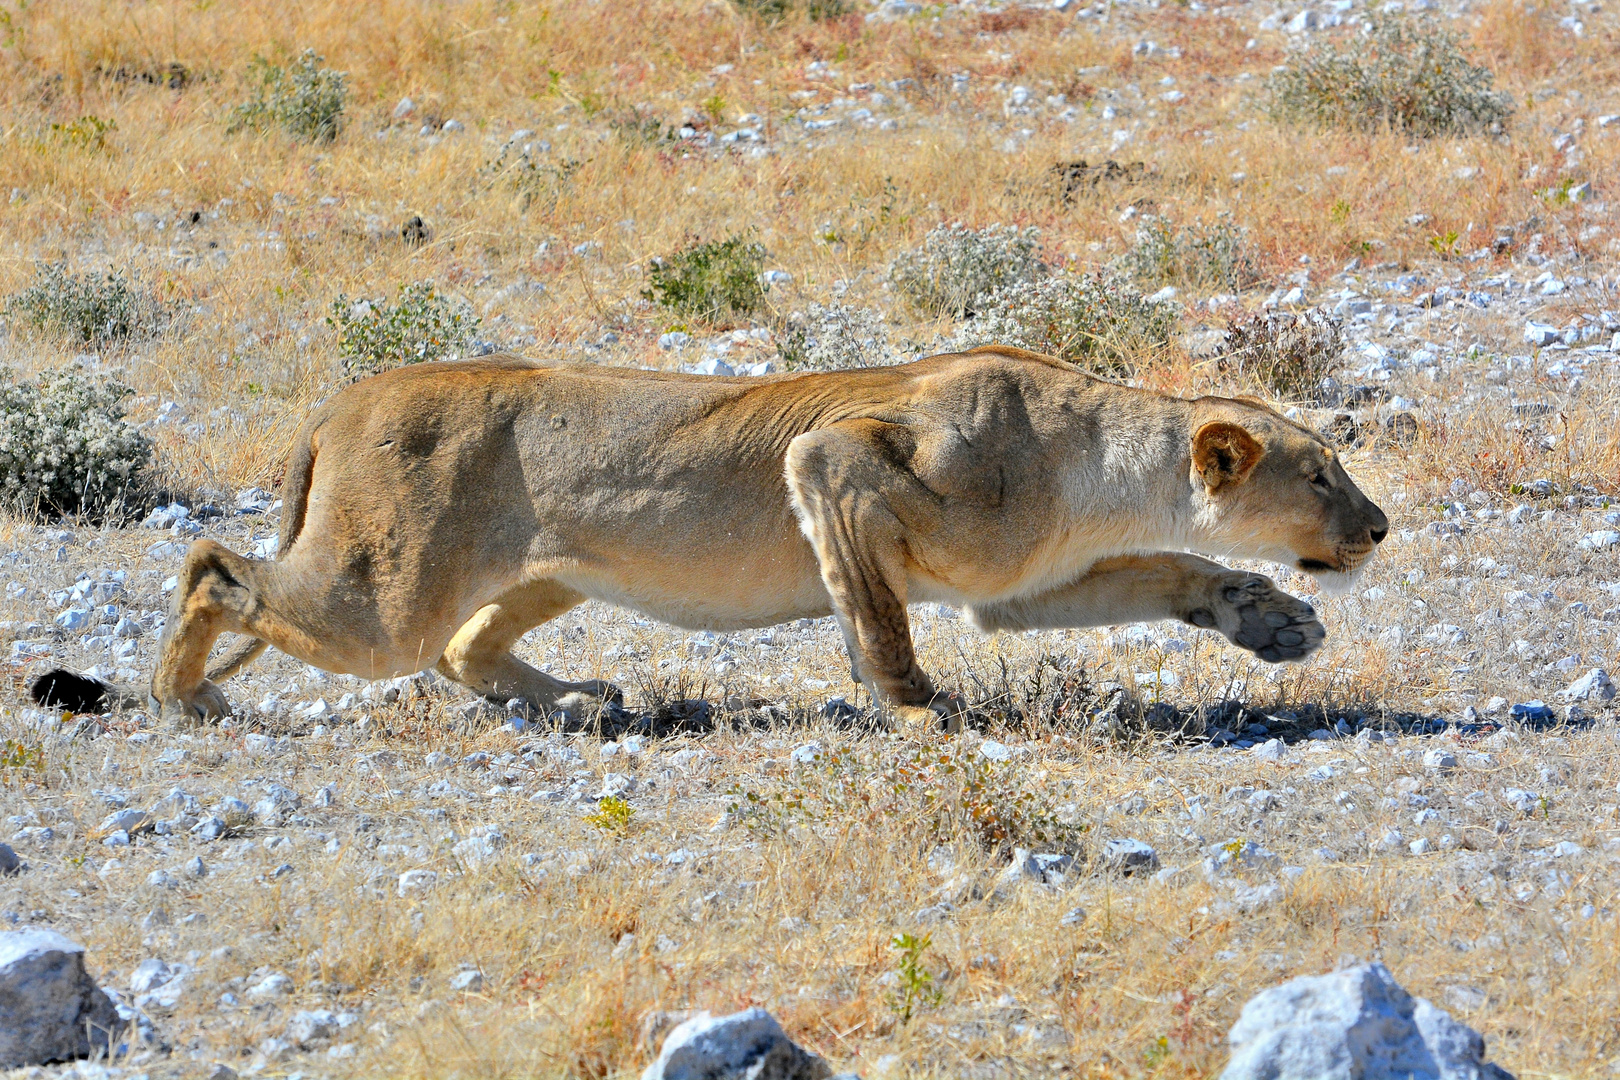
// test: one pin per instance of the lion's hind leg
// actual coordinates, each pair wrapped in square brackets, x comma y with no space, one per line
[219,592]
[479,655]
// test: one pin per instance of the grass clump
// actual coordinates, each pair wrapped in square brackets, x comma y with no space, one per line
[956,269]
[1201,257]
[1287,356]
[831,337]
[86,309]
[1097,321]
[65,447]
[306,100]
[421,326]
[712,281]
[944,796]
[1406,74]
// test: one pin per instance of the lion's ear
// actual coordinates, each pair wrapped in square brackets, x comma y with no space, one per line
[1224,454]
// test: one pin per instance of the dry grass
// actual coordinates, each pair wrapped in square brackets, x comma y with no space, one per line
[1148,982]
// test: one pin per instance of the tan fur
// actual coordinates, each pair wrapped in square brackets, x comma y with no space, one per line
[435,513]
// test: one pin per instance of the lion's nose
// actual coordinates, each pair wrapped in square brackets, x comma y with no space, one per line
[1378,535]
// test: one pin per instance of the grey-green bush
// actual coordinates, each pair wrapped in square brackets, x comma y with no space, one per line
[829,337]
[306,100]
[65,447]
[1097,321]
[1408,74]
[1201,257]
[86,309]
[956,268]
[422,325]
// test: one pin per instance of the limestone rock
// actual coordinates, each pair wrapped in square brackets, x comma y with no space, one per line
[50,1007]
[1356,1024]
[749,1044]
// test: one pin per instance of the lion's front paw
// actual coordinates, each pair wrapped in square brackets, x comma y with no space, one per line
[207,702]
[946,713]
[1253,613]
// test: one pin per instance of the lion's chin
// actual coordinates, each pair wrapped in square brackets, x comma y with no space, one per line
[1335,582]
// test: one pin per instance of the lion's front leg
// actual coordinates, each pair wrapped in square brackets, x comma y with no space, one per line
[851,495]
[1248,608]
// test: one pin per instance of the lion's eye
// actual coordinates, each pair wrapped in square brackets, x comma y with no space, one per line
[1320,480]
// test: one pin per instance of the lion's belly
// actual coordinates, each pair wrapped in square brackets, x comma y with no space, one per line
[712,590]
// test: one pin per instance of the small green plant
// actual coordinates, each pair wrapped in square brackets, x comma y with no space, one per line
[1444,244]
[956,269]
[87,309]
[914,988]
[829,337]
[715,106]
[612,815]
[19,759]
[306,100]
[1339,212]
[1099,322]
[712,281]
[65,447]
[421,326]
[1214,256]
[1560,195]
[87,132]
[1284,355]
[1157,1053]
[1407,74]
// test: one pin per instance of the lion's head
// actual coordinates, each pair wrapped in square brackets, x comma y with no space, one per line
[1268,488]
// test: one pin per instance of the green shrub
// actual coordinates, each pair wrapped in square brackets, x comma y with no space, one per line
[713,281]
[65,447]
[1284,355]
[1205,257]
[1406,74]
[421,326]
[830,337]
[777,10]
[957,268]
[305,100]
[1099,322]
[86,309]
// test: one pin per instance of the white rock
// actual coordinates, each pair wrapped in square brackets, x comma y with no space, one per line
[1270,750]
[273,985]
[1595,685]
[1128,856]
[149,974]
[749,1044]
[1601,540]
[1439,760]
[312,1025]
[1356,1024]
[807,754]
[416,882]
[50,1008]
[991,750]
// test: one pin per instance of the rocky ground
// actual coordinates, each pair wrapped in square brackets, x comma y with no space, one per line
[1143,827]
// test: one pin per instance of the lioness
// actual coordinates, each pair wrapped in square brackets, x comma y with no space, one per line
[435,513]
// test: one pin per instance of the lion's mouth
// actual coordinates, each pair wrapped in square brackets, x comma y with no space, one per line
[1317,566]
